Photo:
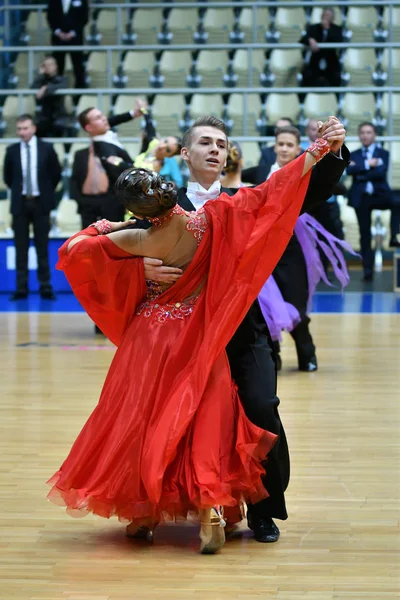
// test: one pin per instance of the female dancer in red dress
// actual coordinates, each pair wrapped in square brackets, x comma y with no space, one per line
[168,436]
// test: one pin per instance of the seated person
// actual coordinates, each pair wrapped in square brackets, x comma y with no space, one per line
[322,67]
[370,190]
[50,106]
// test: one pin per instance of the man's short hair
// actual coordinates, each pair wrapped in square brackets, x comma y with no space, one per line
[366,124]
[208,121]
[25,117]
[83,117]
[289,129]
[288,119]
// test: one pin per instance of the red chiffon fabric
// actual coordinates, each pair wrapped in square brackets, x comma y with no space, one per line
[169,435]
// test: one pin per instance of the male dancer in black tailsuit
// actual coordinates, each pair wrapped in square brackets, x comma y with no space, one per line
[249,352]
[104,143]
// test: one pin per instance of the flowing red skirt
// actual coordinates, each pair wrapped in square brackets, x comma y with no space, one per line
[138,456]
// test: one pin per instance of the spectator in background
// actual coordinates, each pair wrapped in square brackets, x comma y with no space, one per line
[311,132]
[32,172]
[51,105]
[370,190]
[322,66]
[67,20]
[268,154]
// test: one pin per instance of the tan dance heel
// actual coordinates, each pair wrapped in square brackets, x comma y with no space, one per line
[212,533]
[141,532]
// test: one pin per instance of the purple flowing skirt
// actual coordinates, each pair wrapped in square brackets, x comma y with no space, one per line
[280,315]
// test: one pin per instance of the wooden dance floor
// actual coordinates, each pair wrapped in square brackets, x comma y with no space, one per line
[342,537]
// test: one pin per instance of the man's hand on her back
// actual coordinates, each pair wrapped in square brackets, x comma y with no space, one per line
[156,271]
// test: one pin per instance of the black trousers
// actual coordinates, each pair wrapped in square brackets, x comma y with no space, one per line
[368,204]
[253,369]
[291,277]
[48,126]
[100,207]
[31,214]
[77,58]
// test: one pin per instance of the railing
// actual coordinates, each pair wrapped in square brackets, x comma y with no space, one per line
[31,51]
[8,10]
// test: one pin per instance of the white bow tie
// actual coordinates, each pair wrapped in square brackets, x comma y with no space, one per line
[202,194]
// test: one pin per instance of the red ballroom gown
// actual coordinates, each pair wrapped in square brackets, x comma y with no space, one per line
[169,435]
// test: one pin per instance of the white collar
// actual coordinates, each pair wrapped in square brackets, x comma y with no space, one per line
[31,142]
[195,187]
[110,137]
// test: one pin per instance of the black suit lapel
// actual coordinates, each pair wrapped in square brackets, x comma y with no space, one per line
[184,201]
[229,191]
[18,162]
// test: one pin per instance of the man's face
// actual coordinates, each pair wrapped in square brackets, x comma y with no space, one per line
[167,147]
[206,156]
[97,123]
[50,67]
[312,130]
[25,130]
[367,135]
[286,148]
[327,18]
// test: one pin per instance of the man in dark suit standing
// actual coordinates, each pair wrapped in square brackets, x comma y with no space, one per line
[32,172]
[323,67]
[250,353]
[67,20]
[370,190]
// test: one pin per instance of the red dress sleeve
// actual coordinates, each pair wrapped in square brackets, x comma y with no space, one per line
[257,223]
[108,282]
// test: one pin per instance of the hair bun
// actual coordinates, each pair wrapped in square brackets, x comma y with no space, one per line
[167,195]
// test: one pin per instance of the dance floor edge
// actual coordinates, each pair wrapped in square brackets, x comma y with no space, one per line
[323,302]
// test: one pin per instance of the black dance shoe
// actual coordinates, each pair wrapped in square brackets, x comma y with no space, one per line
[19,295]
[47,294]
[264,530]
[310,366]
[368,276]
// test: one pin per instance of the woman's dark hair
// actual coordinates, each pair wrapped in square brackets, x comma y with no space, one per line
[233,158]
[145,193]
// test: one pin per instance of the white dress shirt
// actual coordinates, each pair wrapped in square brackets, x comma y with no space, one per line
[274,167]
[198,195]
[110,137]
[66,4]
[34,166]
